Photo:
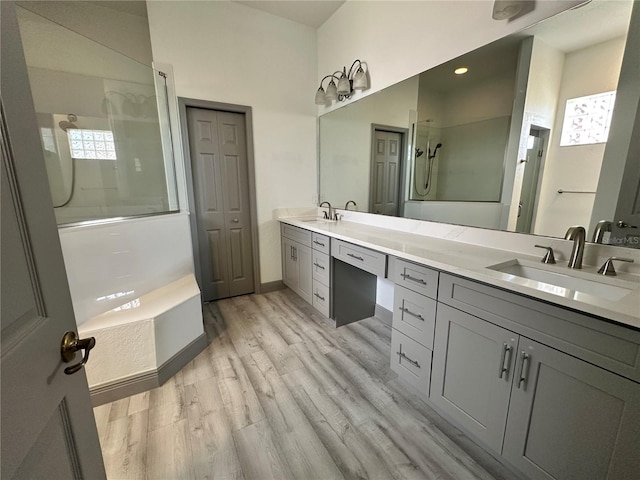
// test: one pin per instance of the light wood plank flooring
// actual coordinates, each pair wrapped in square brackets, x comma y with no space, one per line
[279,393]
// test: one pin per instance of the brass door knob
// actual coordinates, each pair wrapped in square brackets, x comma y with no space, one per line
[70,345]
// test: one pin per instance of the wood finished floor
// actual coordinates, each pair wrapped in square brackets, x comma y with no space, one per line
[279,393]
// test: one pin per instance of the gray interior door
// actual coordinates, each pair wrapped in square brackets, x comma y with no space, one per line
[385,173]
[217,142]
[48,429]
[529,184]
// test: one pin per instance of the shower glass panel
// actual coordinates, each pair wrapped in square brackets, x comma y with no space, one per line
[103,124]
[459,163]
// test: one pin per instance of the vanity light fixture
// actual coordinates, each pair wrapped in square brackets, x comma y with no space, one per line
[347,84]
[461,70]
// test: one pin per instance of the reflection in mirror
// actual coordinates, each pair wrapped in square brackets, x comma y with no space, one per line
[500,163]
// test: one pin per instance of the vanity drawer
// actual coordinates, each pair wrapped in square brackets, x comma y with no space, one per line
[320,267]
[588,338]
[320,298]
[363,258]
[300,235]
[416,277]
[320,242]
[414,315]
[411,361]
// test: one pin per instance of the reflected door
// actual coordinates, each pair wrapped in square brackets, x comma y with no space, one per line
[385,172]
[217,142]
[530,183]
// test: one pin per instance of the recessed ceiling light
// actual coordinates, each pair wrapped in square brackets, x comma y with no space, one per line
[461,70]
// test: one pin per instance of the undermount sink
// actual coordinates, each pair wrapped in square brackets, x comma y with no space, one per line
[563,284]
[316,220]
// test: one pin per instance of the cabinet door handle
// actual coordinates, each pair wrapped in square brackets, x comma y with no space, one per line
[406,276]
[402,355]
[355,256]
[319,296]
[318,265]
[291,252]
[524,368]
[417,315]
[295,254]
[505,360]
[318,243]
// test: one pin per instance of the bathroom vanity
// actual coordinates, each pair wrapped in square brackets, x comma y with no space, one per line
[545,377]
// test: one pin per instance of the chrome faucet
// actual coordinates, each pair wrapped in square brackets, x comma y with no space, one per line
[601,227]
[346,205]
[577,234]
[327,215]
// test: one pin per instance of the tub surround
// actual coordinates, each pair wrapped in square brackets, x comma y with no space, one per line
[468,251]
[133,289]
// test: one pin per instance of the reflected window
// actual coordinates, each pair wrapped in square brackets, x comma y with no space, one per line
[587,119]
[94,144]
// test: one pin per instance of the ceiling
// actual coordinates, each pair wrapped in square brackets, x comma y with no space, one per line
[308,12]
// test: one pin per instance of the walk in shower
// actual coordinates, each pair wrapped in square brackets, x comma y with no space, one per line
[103,123]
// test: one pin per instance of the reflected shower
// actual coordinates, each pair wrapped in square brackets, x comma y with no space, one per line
[435,151]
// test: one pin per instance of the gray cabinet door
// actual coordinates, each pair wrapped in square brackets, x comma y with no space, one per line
[472,371]
[571,420]
[305,272]
[289,266]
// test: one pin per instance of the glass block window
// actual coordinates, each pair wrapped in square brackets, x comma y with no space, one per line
[92,144]
[587,119]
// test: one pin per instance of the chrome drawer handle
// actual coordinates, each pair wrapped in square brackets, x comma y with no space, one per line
[355,256]
[318,265]
[406,276]
[417,315]
[506,349]
[524,368]
[412,362]
[318,243]
[319,296]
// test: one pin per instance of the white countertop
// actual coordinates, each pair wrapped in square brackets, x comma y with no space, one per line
[471,261]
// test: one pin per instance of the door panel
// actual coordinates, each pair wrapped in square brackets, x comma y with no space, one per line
[220,174]
[467,378]
[305,275]
[571,420]
[385,172]
[48,429]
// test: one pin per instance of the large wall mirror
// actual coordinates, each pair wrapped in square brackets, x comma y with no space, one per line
[523,141]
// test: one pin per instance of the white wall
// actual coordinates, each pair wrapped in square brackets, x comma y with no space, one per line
[541,101]
[111,264]
[399,39]
[227,52]
[588,71]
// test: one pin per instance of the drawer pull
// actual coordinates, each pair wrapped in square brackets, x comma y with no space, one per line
[524,369]
[318,243]
[506,349]
[406,276]
[318,265]
[417,315]
[402,355]
[355,256]
[319,296]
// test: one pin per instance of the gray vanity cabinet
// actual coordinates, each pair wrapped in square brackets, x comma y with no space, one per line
[472,371]
[571,420]
[321,268]
[297,261]
[414,316]
[550,414]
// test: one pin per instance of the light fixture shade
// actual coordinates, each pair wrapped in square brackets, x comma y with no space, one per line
[332,91]
[321,98]
[360,80]
[344,86]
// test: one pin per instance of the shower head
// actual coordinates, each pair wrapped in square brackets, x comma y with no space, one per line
[419,152]
[435,150]
[68,123]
